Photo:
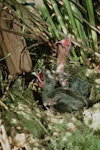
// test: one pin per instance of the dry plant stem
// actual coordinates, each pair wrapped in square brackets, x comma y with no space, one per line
[88,23]
[3,105]
[18,33]
[79,6]
[4,139]
[4,95]
[97,54]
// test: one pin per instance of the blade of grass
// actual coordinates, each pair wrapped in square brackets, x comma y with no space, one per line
[74,55]
[59,17]
[71,17]
[80,27]
[72,24]
[47,17]
[89,5]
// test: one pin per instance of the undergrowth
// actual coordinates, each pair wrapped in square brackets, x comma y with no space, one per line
[45,129]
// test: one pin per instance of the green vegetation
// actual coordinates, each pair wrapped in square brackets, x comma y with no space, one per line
[20,98]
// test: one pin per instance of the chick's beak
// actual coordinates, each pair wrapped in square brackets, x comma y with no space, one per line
[65,43]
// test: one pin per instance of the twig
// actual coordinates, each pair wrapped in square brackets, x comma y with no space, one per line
[97,54]
[3,139]
[3,105]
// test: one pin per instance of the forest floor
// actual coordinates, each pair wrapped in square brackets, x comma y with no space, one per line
[26,124]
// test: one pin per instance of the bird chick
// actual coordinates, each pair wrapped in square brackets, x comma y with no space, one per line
[59,98]
[63,48]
